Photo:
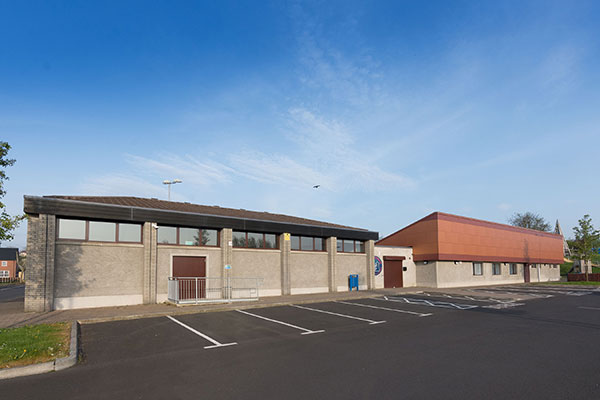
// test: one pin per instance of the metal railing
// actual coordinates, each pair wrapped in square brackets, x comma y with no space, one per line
[6,279]
[206,290]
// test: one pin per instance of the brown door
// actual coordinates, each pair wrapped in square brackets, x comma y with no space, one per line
[188,269]
[392,273]
[526,273]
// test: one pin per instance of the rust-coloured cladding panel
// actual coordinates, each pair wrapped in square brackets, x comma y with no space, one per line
[467,239]
[421,236]
[449,237]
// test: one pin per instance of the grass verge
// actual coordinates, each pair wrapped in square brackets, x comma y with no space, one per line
[575,283]
[34,344]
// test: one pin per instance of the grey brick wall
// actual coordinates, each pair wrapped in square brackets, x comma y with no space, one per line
[331,245]
[39,287]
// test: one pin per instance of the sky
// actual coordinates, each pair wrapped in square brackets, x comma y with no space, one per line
[396,108]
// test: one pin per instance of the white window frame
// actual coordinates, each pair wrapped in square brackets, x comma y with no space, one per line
[4,274]
[480,269]
[494,269]
[5,263]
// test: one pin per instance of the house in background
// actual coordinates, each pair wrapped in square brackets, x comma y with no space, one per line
[452,251]
[8,263]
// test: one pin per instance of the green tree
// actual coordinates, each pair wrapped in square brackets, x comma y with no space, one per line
[587,240]
[529,220]
[7,223]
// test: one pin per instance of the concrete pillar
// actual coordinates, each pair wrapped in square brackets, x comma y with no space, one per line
[150,262]
[286,248]
[226,242]
[370,252]
[41,238]
[331,246]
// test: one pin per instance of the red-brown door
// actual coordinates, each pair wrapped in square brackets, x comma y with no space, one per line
[526,273]
[188,269]
[392,273]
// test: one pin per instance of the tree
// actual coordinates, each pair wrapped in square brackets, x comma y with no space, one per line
[587,241]
[529,220]
[7,223]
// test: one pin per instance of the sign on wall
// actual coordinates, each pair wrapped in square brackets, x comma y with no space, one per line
[286,236]
[378,265]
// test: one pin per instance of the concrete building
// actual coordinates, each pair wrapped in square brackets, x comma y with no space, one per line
[8,263]
[453,251]
[105,251]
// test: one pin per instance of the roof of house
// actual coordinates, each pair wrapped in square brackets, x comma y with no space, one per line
[198,209]
[8,253]
[162,211]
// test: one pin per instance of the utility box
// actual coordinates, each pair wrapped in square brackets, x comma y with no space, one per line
[353,281]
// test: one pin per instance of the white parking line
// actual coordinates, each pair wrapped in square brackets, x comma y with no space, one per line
[370,321]
[216,344]
[470,298]
[591,308]
[423,302]
[387,309]
[305,331]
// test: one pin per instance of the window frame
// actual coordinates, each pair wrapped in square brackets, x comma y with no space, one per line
[87,231]
[4,264]
[314,241]
[480,269]
[494,265]
[264,241]
[177,237]
[353,246]
[4,273]
[510,269]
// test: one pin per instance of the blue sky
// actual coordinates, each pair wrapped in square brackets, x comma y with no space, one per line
[396,109]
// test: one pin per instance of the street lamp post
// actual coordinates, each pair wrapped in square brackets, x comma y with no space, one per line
[169,183]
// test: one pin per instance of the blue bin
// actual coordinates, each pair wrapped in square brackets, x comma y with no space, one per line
[353,281]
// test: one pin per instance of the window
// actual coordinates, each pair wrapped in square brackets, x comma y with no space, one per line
[167,235]
[513,269]
[350,246]
[4,274]
[477,268]
[270,241]
[496,269]
[319,244]
[307,243]
[71,229]
[255,240]
[130,233]
[98,231]
[102,231]
[5,263]
[210,237]
[239,239]
[188,236]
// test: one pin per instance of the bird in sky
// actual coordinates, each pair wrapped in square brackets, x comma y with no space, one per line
[316,186]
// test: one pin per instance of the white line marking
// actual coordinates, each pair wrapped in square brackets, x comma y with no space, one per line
[387,309]
[424,302]
[216,344]
[591,308]
[306,331]
[370,321]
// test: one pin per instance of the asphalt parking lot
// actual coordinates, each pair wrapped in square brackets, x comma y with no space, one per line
[426,345]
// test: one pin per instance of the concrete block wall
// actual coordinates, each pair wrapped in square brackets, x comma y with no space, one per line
[74,274]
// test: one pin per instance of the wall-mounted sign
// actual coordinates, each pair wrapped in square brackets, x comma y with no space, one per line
[286,236]
[378,265]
